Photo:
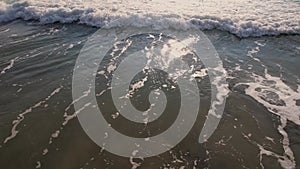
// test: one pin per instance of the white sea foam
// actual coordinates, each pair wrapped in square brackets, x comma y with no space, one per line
[21,116]
[241,17]
[279,99]
[11,64]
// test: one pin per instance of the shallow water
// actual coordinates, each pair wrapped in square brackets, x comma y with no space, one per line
[259,128]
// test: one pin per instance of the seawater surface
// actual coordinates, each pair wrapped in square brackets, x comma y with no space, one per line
[40,42]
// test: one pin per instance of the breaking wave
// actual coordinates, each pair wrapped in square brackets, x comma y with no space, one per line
[249,21]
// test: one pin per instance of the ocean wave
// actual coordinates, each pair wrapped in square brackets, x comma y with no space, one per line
[86,13]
